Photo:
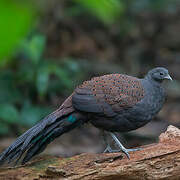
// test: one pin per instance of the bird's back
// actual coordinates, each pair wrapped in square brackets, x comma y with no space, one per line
[113,88]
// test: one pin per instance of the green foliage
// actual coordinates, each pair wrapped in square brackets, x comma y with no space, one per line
[38,70]
[26,87]
[31,114]
[15,21]
[106,10]
[9,116]
[34,48]
[4,128]
[116,11]
[8,91]
[9,113]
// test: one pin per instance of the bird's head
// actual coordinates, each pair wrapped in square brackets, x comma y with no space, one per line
[158,74]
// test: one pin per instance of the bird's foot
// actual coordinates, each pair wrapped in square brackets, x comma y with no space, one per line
[124,150]
[136,149]
[120,146]
[110,150]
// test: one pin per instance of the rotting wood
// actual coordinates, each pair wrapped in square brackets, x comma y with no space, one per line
[155,161]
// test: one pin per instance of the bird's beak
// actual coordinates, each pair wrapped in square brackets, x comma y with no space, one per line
[168,77]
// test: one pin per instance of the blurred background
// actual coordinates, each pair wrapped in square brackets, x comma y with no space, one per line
[49,47]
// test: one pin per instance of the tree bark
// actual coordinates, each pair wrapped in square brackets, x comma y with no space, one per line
[155,161]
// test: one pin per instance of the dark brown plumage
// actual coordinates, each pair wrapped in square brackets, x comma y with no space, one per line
[114,88]
[115,103]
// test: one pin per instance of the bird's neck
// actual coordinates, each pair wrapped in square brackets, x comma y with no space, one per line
[152,81]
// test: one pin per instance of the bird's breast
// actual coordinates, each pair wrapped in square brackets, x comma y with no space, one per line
[152,102]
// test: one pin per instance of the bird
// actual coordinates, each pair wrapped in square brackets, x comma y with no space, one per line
[113,103]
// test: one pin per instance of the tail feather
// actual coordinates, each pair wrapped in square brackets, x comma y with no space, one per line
[21,143]
[36,149]
[25,138]
[33,142]
[49,137]
[38,137]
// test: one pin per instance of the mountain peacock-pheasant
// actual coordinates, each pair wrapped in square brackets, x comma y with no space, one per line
[114,103]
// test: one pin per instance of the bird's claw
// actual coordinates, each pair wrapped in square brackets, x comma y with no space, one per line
[124,150]
[132,150]
[109,150]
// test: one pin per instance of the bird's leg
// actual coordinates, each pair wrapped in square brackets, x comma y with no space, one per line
[108,147]
[105,142]
[122,148]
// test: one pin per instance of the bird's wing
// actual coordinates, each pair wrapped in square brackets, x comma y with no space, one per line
[108,94]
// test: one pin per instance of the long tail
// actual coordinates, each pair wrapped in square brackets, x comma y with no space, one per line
[35,140]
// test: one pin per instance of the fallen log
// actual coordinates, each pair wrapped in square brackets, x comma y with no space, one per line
[155,161]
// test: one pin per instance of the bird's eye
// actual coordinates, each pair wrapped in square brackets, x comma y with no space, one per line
[161,74]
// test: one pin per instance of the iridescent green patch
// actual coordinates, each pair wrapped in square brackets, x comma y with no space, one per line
[71,119]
